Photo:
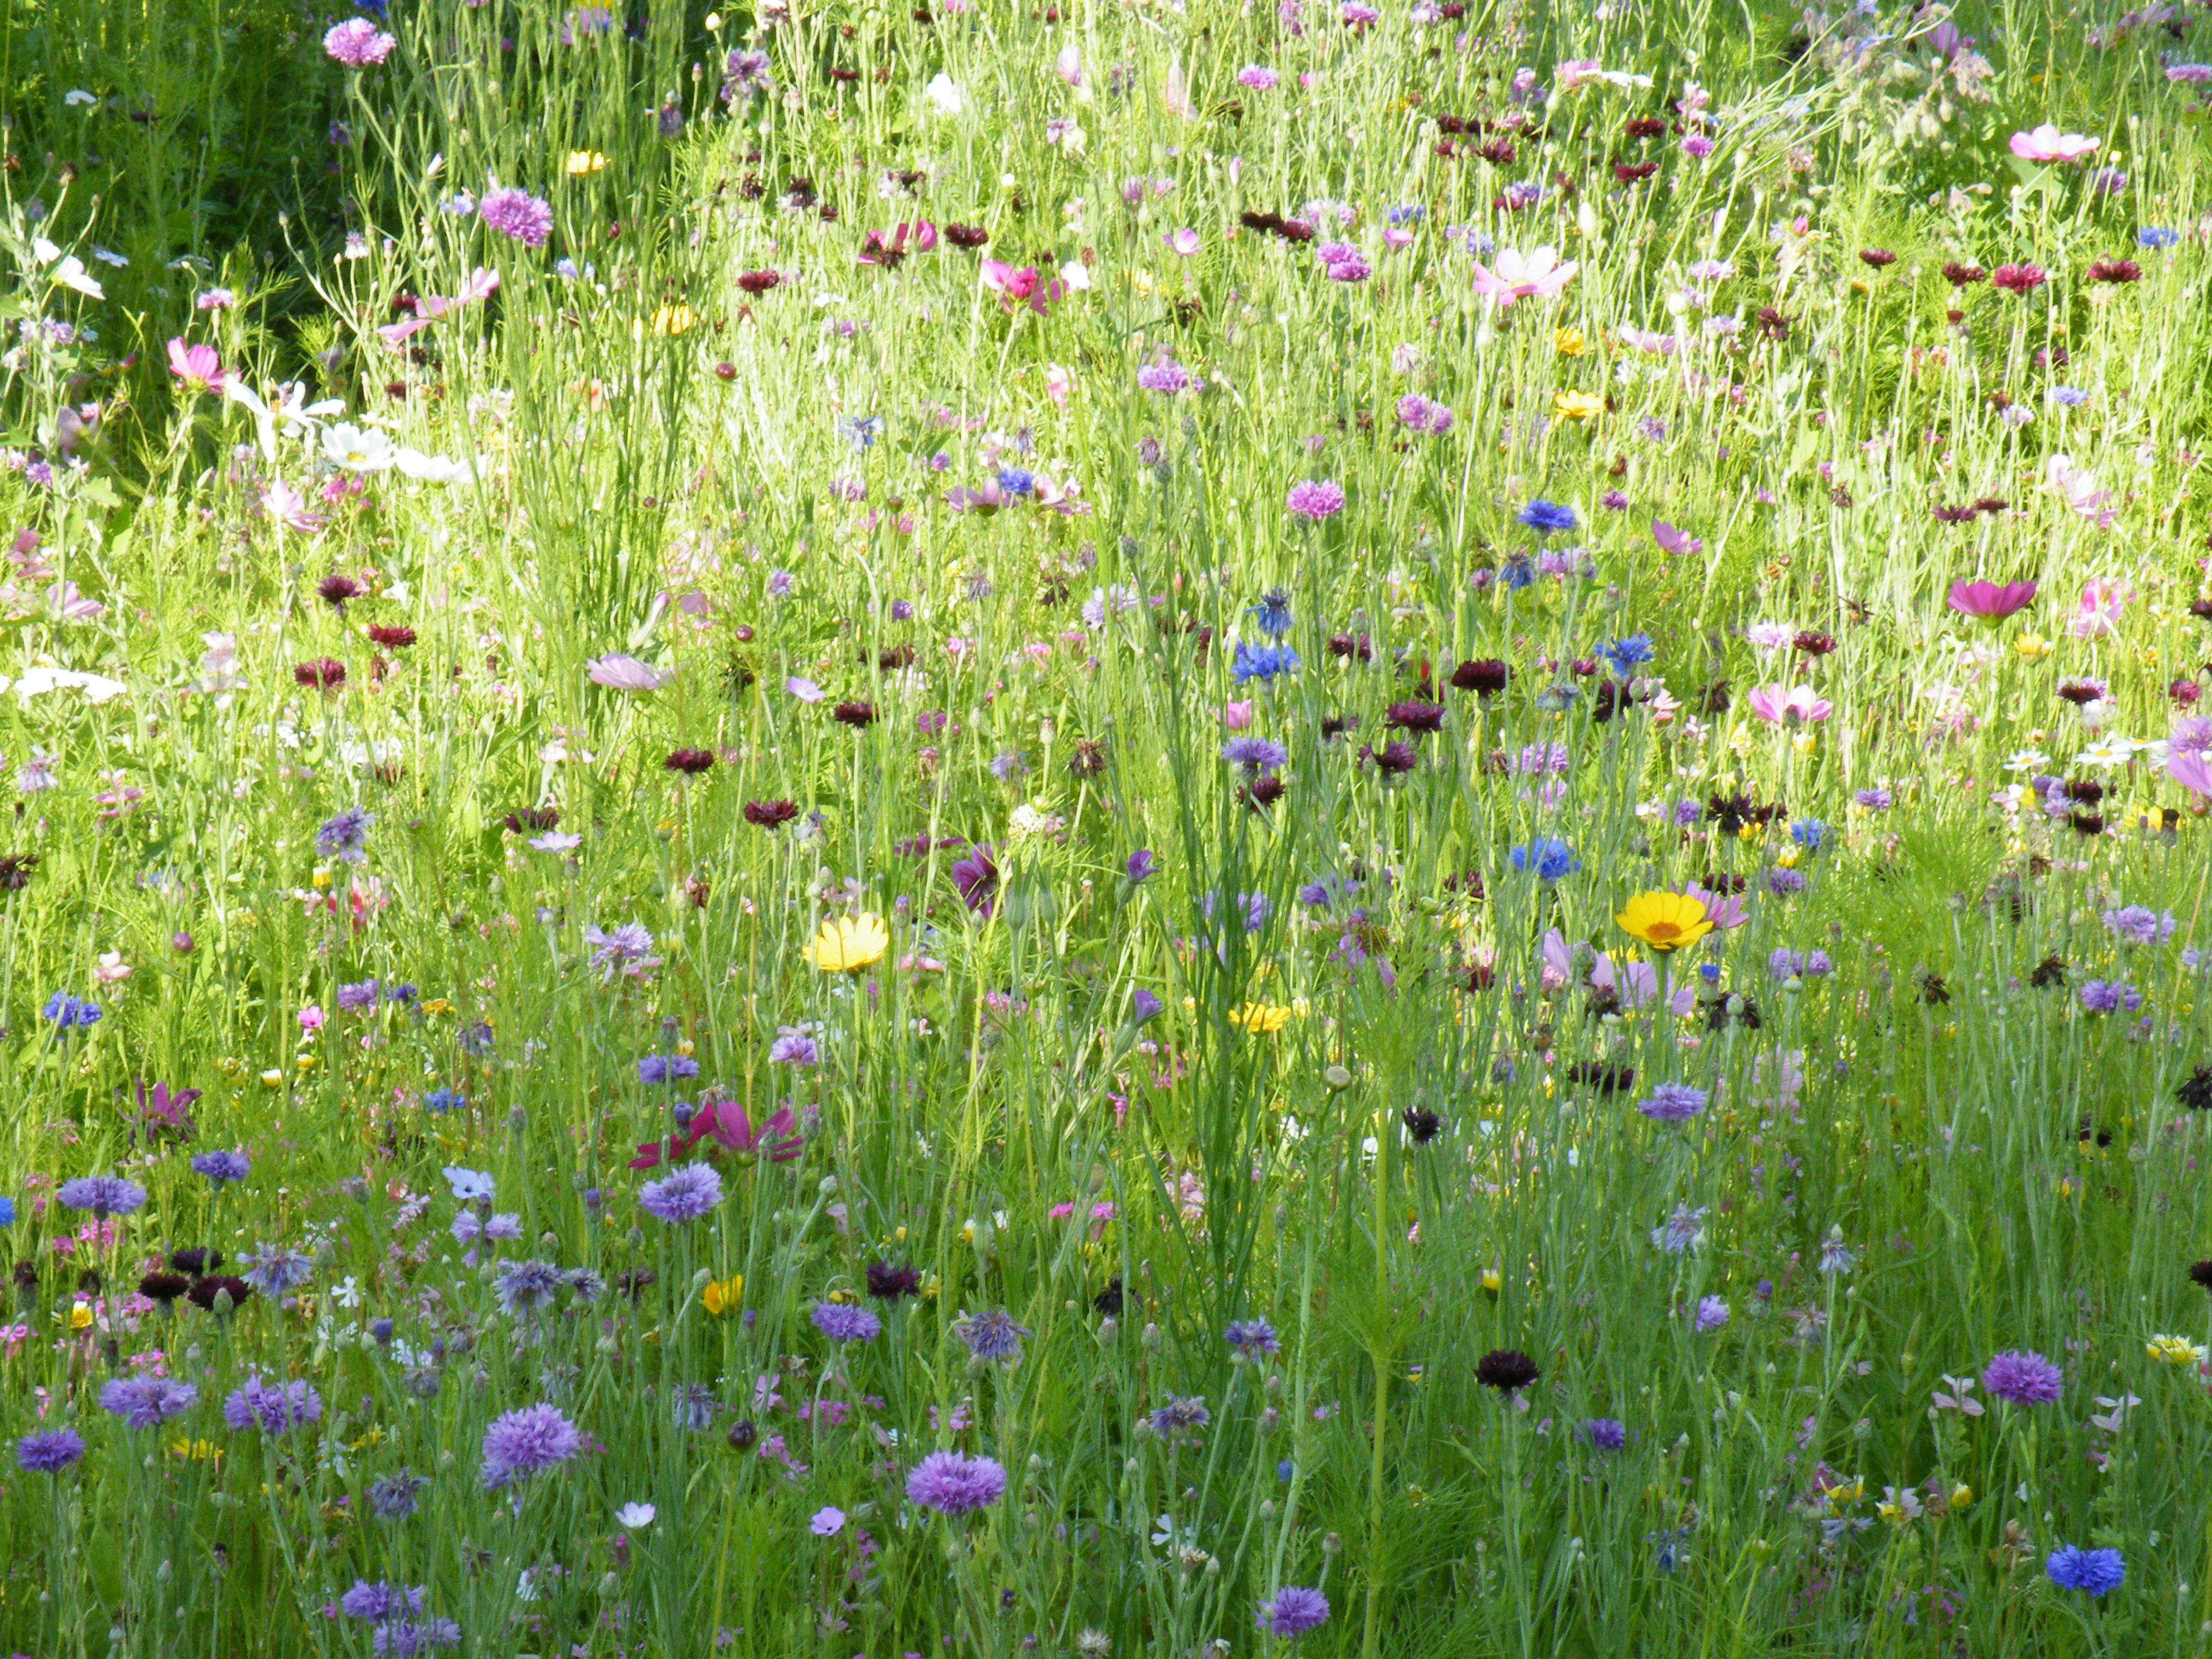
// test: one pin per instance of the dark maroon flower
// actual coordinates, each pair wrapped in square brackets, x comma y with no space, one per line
[1773,324]
[2115,270]
[336,590]
[1634,172]
[887,1283]
[769,814]
[1392,759]
[1486,677]
[1334,727]
[533,820]
[1877,256]
[966,236]
[2079,692]
[204,1292]
[321,674]
[390,638]
[1814,643]
[1643,126]
[854,714]
[16,870]
[1345,645]
[1505,1369]
[1416,717]
[2021,279]
[689,761]
[1422,1124]
[1961,276]
[2201,609]
[163,1287]
[758,282]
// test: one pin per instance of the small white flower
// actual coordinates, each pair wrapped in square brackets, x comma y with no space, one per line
[636,1516]
[945,95]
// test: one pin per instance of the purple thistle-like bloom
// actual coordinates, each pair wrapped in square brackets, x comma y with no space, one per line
[1177,1419]
[2098,1571]
[991,1334]
[2108,996]
[1292,1611]
[518,214]
[49,1451]
[1256,753]
[2023,1379]
[1251,1339]
[222,1167]
[953,1485]
[667,1068]
[842,1321]
[344,836]
[358,44]
[104,1195]
[273,1408]
[358,997]
[794,1045]
[277,1272]
[1315,499]
[404,1638]
[143,1402]
[1673,1103]
[2139,925]
[1605,1434]
[368,1600]
[394,1497]
[1713,1313]
[523,1442]
[1682,1231]
[691,1193]
[1169,376]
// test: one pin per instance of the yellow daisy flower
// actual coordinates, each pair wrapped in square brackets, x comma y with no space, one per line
[1665,921]
[846,945]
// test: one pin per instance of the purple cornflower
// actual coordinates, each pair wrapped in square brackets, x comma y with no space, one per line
[2108,996]
[991,1334]
[1315,498]
[358,997]
[667,1068]
[525,1286]
[277,1272]
[1711,1313]
[1255,754]
[1291,1611]
[368,1600]
[143,1402]
[1605,1433]
[794,1045]
[1250,1339]
[1875,801]
[1804,964]
[1680,1231]
[1142,865]
[1167,376]
[691,1193]
[406,1639]
[394,1497]
[628,947]
[1547,517]
[345,835]
[1143,1005]
[48,1451]
[2138,925]
[2022,1378]
[521,1442]
[953,1485]
[1673,1103]
[103,1194]
[842,1321]
[273,1408]
[358,44]
[222,1167]
[1179,1417]
[518,214]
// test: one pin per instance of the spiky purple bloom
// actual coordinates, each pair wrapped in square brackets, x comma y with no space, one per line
[1256,753]
[691,1193]
[523,1442]
[518,214]
[842,1321]
[953,1485]
[405,1639]
[1251,1339]
[1315,499]
[1682,1231]
[274,1408]
[1605,1434]
[2023,1378]
[49,1451]
[143,1402]
[1673,1103]
[1292,1611]
[368,1600]
[2139,925]
[222,1167]
[1178,1418]
[104,1195]
[344,836]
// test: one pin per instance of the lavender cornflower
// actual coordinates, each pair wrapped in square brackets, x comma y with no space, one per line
[357,998]
[842,1321]
[1291,1611]
[523,1442]
[1711,1313]
[1786,963]
[690,1193]
[345,836]
[2101,996]
[1682,1231]
[2098,1571]
[278,1272]
[2023,1378]
[67,1013]
[2137,924]
[143,1402]
[380,1600]
[525,1286]
[408,1639]
[1251,1339]
[1178,1418]
[103,1194]
[223,1167]
[518,214]
[1255,754]
[655,1069]
[1875,801]
[953,1485]
[991,1334]
[1835,1257]
[627,948]
[694,1405]
[1605,1434]
[394,1497]
[1167,376]
[1673,1103]
[273,1408]
[794,1045]
[48,1451]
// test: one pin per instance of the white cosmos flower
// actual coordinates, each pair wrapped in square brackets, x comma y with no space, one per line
[635,1516]
[356,449]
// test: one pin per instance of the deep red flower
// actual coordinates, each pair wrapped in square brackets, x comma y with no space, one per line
[2021,279]
[393,638]
[854,714]
[769,814]
[336,590]
[2115,270]
[321,674]
[689,761]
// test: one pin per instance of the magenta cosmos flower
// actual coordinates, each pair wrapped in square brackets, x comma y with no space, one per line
[1539,274]
[1992,601]
[2047,144]
[1315,499]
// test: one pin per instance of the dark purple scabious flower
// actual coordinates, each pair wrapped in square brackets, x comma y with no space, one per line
[518,214]
[104,1195]
[976,876]
[1291,1611]
[1673,1103]
[49,1451]
[953,1485]
[222,1167]
[991,1334]
[688,1193]
[1250,1339]
[274,1408]
[2100,1572]
[345,837]
[1605,1434]
[521,1443]
[2023,1379]
[842,1321]
[143,1402]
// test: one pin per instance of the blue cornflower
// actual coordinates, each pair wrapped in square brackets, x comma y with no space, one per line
[1548,856]
[67,1013]
[1517,573]
[1272,615]
[444,1100]
[861,433]
[1547,517]
[667,1068]
[1250,1339]
[1811,834]
[2098,1571]
[7,1211]
[1409,214]
[2156,236]
[1262,662]
[221,1168]
[1016,480]
[1256,753]
[2071,397]
[1628,654]
[345,836]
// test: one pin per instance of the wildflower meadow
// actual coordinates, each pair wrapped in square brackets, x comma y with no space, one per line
[1176,828]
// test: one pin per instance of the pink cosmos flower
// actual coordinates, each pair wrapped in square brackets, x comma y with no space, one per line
[1681,543]
[290,508]
[1797,705]
[621,672]
[2191,769]
[1183,243]
[1068,65]
[2047,144]
[1723,911]
[198,367]
[888,247]
[1020,286]
[1990,601]
[1536,275]
[1644,339]
[1236,716]
[2099,609]
[2079,486]
[1632,983]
